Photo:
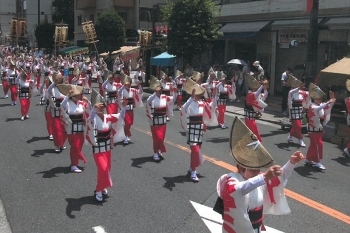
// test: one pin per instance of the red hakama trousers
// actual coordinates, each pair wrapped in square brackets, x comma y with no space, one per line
[59,133]
[315,150]
[179,101]
[70,77]
[128,122]
[295,131]
[90,80]
[158,136]
[76,141]
[195,149]
[251,124]
[112,108]
[221,116]
[25,104]
[103,164]
[102,91]
[37,84]
[48,117]
[14,92]
[5,86]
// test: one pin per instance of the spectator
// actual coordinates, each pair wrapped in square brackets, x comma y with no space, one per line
[285,90]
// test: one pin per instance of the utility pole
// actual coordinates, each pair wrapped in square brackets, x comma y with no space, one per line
[38,12]
[312,45]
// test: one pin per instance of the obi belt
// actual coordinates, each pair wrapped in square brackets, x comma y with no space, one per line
[195,129]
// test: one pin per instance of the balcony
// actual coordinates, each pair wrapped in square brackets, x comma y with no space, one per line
[124,3]
[86,4]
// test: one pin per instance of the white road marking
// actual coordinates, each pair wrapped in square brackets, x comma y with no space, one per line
[213,220]
[99,229]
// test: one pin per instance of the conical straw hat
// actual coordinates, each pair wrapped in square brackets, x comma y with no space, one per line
[76,71]
[246,149]
[296,83]
[211,71]
[196,76]
[348,84]
[252,82]
[154,83]
[315,92]
[162,75]
[125,79]
[190,84]
[57,78]
[65,88]
[96,98]
[178,73]
[221,76]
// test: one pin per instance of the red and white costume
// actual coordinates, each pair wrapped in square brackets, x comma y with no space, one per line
[102,134]
[198,115]
[71,67]
[118,66]
[156,110]
[347,104]
[168,90]
[11,77]
[318,116]
[74,117]
[209,87]
[25,88]
[45,97]
[254,103]
[4,81]
[99,78]
[180,82]
[134,97]
[246,201]
[37,71]
[225,92]
[111,94]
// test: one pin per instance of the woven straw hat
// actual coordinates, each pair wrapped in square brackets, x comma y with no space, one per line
[315,91]
[293,82]
[125,79]
[96,98]
[221,76]
[178,73]
[76,71]
[190,84]
[246,149]
[211,71]
[162,75]
[347,84]
[65,88]
[87,60]
[252,82]
[57,78]
[196,76]
[154,83]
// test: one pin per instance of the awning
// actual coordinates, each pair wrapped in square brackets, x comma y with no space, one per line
[243,27]
[339,23]
[125,52]
[335,74]
[74,51]
[294,23]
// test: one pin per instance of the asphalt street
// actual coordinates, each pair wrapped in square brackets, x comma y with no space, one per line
[40,194]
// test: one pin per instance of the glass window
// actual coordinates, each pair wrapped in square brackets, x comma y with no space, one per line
[79,20]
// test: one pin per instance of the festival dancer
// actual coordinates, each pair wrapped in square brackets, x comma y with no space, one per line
[347,104]
[156,110]
[111,92]
[56,98]
[225,92]
[168,90]
[319,114]
[247,194]
[103,131]
[298,100]
[25,87]
[134,97]
[4,79]
[199,114]
[254,103]
[75,110]
[45,96]
[180,81]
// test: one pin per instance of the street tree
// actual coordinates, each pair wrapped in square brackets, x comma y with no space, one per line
[110,32]
[44,33]
[192,27]
[64,11]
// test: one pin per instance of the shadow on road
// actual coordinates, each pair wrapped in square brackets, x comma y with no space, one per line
[183,133]
[170,182]
[35,139]
[306,171]
[75,204]
[274,132]
[138,162]
[13,119]
[56,170]
[218,140]
[37,153]
[4,105]
[287,146]
[345,161]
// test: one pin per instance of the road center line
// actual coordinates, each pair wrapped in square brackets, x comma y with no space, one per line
[300,198]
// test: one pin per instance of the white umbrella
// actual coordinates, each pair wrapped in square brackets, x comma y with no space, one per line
[237,62]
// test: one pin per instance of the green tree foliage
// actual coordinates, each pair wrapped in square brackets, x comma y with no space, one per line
[110,31]
[44,33]
[191,26]
[64,10]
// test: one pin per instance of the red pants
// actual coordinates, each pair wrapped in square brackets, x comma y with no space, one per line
[295,131]
[25,104]
[102,91]
[251,124]
[76,142]
[5,86]
[90,81]
[70,77]
[179,101]
[315,150]
[59,133]
[103,164]
[14,92]
[48,117]
[37,81]
[112,108]
[128,121]
[158,136]
[221,116]
[195,149]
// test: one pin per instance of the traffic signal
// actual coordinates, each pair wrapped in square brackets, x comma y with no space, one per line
[22,28]
[14,27]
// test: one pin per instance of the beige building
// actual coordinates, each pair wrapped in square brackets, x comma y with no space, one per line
[266,30]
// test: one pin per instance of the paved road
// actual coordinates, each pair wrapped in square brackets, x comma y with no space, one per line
[40,194]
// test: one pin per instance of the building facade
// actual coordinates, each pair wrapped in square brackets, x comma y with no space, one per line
[275,32]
